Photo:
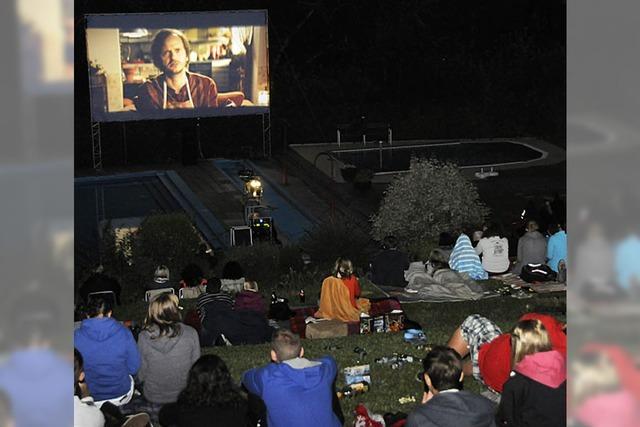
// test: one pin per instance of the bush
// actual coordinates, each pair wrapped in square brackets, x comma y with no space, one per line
[432,197]
[169,239]
[276,268]
[260,262]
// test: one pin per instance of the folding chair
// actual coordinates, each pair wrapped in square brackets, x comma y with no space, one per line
[151,294]
[192,293]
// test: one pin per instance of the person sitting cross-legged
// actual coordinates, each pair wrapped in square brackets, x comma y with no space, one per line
[445,403]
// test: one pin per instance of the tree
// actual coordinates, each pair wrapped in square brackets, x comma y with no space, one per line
[431,198]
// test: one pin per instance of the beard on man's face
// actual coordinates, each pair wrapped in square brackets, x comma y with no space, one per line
[175,67]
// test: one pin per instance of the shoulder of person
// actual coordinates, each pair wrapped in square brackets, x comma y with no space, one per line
[188,330]
[202,78]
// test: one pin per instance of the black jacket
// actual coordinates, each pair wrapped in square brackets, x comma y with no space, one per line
[454,409]
[528,403]
[174,415]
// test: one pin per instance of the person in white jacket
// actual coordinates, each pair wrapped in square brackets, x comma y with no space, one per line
[85,412]
[494,251]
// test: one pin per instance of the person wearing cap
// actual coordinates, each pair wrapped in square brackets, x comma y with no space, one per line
[161,279]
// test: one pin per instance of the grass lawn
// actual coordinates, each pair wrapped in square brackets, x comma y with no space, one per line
[438,320]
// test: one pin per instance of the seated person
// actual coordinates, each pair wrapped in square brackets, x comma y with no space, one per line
[536,392]
[387,267]
[85,412]
[192,276]
[444,402]
[213,300]
[238,327]
[557,246]
[532,248]
[440,281]
[295,390]
[343,269]
[175,87]
[167,348]
[100,282]
[250,299]
[209,398]
[110,353]
[232,278]
[490,350]
[464,259]
[161,277]
[494,250]
[338,295]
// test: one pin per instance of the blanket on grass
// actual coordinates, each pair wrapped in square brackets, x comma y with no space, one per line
[516,282]
[442,285]
[491,288]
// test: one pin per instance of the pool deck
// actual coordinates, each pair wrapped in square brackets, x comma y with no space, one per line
[317,154]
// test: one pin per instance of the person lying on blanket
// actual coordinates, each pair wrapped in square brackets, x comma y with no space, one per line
[439,282]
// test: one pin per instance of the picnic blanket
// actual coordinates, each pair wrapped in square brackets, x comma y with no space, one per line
[541,288]
[442,285]
[489,289]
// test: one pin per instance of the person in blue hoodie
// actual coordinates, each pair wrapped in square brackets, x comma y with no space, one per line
[110,355]
[556,246]
[296,391]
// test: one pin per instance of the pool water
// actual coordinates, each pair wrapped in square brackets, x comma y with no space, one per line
[112,199]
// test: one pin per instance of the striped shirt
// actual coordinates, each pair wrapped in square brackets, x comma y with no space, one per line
[208,302]
[465,260]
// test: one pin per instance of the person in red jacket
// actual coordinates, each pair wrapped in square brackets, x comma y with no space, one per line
[489,349]
[343,269]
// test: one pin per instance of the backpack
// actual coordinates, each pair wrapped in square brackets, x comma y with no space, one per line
[537,273]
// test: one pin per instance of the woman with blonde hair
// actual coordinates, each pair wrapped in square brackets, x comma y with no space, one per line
[167,348]
[536,392]
[339,297]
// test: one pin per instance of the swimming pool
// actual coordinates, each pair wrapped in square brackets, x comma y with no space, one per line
[128,198]
[390,159]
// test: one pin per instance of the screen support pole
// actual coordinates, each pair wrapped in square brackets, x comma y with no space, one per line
[266,135]
[96,146]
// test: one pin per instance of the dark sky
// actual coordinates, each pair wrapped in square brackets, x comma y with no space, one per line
[432,69]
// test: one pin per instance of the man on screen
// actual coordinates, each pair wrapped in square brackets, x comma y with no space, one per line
[176,87]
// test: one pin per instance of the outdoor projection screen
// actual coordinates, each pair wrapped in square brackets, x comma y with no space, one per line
[178,65]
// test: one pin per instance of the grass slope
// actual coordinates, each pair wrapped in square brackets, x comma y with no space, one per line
[438,320]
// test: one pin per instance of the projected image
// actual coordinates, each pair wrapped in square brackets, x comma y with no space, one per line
[141,73]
